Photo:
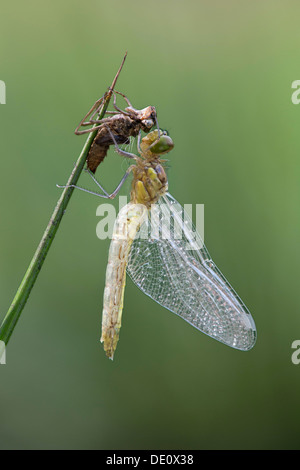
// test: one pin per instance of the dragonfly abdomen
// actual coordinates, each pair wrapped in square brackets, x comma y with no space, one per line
[125,229]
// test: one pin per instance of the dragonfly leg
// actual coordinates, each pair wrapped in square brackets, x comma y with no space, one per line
[94,109]
[119,110]
[121,152]
[158,134]
[127,173]
[82,189]
[125,98]
[91,115]
[92,129]
[139,142]
[115,192]
[117,107]
[106,195]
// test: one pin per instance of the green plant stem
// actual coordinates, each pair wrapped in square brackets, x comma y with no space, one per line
[21,297]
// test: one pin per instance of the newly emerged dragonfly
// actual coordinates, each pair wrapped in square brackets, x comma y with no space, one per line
[122,125]
[177,272]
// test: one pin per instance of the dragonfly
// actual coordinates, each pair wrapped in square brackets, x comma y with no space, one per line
[122,124]
[175,271]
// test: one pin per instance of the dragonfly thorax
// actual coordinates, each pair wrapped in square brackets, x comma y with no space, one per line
[149,182]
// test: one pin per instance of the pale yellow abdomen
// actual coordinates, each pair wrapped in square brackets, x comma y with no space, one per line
[126,226]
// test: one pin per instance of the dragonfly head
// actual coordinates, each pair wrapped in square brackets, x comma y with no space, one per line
[161,146]
[146,116]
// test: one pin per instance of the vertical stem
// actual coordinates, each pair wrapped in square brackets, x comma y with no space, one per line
[18,303]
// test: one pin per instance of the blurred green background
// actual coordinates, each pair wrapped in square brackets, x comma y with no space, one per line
[220,75]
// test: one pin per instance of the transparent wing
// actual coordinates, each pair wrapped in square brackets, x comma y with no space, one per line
[169,262]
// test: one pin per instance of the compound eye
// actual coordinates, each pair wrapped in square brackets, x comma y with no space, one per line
[148,123]
[164,145]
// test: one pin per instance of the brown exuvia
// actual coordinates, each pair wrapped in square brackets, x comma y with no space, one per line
[121,124]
